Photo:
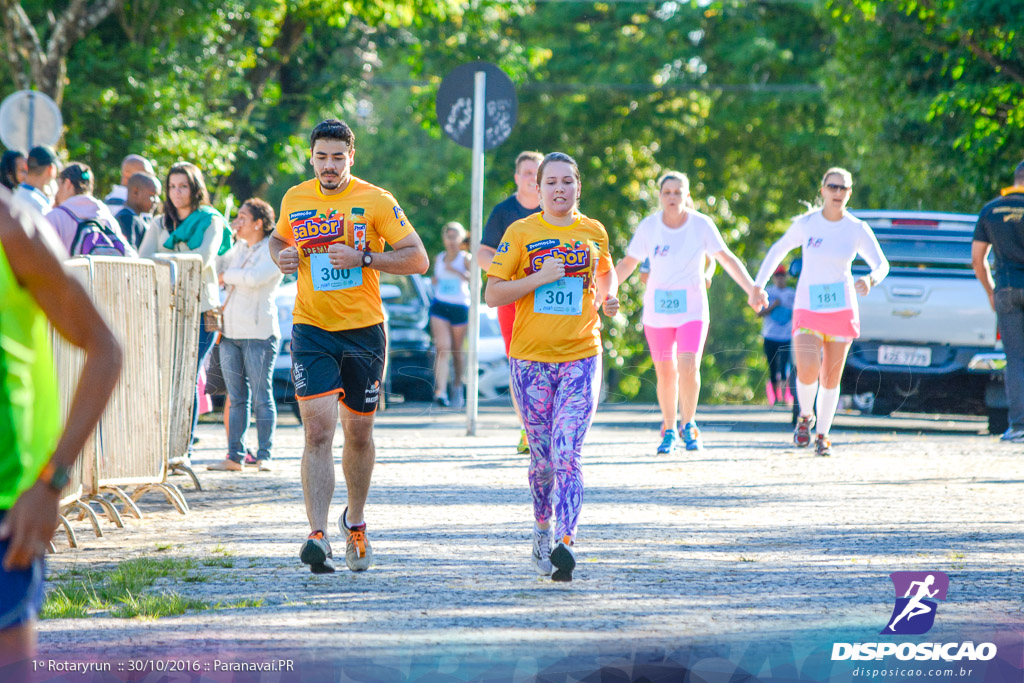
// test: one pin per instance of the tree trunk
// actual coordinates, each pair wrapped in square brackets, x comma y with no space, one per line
[45,68]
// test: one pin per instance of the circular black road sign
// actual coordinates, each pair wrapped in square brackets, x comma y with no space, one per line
[455,104]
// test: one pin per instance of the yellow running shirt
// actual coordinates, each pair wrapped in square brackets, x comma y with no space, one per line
[363,216]
[558,322]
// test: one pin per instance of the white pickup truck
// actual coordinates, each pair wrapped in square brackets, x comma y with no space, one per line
[928,335]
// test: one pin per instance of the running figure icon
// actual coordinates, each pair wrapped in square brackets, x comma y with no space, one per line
[915,607]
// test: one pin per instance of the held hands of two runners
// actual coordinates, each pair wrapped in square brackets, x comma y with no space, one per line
[757,299]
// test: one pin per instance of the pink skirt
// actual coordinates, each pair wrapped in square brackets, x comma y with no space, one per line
[844,323]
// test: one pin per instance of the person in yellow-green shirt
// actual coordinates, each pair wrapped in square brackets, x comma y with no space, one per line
[556,267]
[331,231]
[37,453]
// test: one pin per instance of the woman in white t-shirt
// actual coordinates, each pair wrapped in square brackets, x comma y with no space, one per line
[826,318]
[449,312]
[675,316]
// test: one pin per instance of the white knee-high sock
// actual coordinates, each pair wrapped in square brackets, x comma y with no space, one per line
[828,399]
[805,396]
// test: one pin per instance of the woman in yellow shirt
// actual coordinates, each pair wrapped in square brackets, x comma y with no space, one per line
[556,267]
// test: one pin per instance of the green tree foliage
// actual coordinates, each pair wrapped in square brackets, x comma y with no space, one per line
[220,83]
[921,99]
[724,93]
[931,93]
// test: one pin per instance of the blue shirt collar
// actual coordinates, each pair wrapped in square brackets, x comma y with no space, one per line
[35,189]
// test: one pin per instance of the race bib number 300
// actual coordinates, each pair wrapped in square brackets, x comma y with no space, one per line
[564,296]
[327,278]
[670,301]
[826,297]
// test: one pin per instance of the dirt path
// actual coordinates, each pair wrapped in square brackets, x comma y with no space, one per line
[750,536]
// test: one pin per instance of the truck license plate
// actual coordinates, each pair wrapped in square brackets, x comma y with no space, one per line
[904,355]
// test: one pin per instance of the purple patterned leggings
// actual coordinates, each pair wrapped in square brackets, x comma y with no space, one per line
[557,402]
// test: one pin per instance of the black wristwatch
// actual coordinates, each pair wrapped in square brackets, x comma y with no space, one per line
[55,476]
[367,259]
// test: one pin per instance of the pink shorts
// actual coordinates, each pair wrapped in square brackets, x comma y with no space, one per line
[667,342]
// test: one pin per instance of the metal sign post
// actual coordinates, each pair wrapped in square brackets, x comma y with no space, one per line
[491,107]
[476,223]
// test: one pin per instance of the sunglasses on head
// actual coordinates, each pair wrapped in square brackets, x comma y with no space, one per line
[837,188]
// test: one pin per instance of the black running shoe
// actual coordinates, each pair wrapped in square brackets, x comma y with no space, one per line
[316,552]
[563,559]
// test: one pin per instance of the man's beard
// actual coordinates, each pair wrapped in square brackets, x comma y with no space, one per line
[330,185]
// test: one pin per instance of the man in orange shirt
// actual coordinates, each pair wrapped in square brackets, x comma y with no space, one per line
[331,231]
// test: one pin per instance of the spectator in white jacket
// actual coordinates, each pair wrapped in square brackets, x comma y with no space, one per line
[252,334]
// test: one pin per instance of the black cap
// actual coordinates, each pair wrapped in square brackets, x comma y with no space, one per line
[41,156]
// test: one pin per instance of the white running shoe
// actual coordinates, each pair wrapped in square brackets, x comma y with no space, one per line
[542,551]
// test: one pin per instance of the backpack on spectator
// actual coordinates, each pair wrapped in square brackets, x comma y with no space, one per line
[92,238]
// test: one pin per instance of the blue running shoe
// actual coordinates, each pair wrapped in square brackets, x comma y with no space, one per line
[691,436]
[668,442]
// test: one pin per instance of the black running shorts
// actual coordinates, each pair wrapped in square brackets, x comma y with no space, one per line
[349,363]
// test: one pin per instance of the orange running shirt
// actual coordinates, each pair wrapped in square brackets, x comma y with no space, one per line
[557,322]
[364,217]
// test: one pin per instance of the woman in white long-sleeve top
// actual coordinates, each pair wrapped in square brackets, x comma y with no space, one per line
[252,334]
[189,225]
[826,318]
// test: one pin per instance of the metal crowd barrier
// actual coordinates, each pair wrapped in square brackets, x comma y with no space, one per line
[131,452]
[68,361]
[153,308]
[180,322]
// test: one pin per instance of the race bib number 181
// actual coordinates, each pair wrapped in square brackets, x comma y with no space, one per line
[327,278]
[830,296]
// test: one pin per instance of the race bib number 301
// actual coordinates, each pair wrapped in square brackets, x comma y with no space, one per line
[826,297]
[564,296]
[327,278]
[670,301]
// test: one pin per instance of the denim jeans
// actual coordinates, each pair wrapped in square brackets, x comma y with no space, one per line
[1010,314]
[206,340]
[248,367]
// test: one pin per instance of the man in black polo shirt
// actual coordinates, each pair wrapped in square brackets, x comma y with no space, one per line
[1001,227]
[525,202]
